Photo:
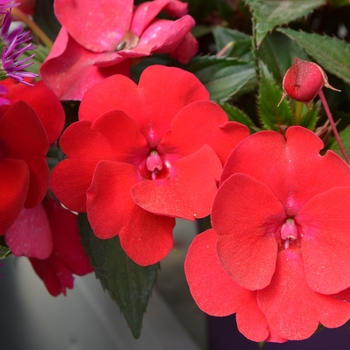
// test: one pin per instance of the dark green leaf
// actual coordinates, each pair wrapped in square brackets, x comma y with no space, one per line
[331,53]
[278,53]
[41,52]
[345,139]
[4,252]
[269,14]
[224,76]
[237,115]
[129,284]
[271,116]
[241,43]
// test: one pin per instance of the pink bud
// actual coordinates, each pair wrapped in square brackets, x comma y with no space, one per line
[303,81]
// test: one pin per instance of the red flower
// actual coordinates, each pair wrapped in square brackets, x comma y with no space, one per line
[280,244]
[48,235]
[85,52]
[33,118]
[144,157]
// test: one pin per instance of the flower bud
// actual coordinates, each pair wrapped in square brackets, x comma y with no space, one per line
[303,81]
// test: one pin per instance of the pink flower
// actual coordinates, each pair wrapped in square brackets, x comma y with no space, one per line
[150,154]
[279,249]
[98,40]
[48,235]
[33,119]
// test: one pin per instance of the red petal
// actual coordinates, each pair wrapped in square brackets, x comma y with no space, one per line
[70,69]
[211,287]
[14,183]
[325,242]
[30,235]
[161,93]
[287,159]
[246,216]
[186,49]
[187,192]
[67,246]
[69,181]
[200,123]
[145,237]
[292,309]
[44,102]
[83,20]
[24,138]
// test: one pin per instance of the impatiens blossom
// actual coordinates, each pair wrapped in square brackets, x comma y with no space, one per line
[67,256]
[142,155]
[278,253]
[98,40]
[28,125]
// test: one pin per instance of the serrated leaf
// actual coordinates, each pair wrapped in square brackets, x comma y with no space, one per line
[332,54]
[278,54]
[269,14]
[237,115]
[309,119]
[271,116]
[345,139]
[241,43]
[4,252]
[129,284]
[224,77]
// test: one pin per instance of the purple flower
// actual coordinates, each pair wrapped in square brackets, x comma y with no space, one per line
[13,45]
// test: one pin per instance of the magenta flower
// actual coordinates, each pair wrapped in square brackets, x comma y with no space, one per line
[85,52]
[150,154]
[278,253]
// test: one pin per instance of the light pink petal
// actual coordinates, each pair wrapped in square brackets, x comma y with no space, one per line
[278,163]
[145,237]
[163,36]
[70,69]
[187,192]
[96,26]
[325,242]
[200,123]
[186,49]
[30,235]
[14,183]
[292,309]
[247,215]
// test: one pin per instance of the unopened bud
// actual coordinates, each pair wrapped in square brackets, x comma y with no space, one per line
[303,81]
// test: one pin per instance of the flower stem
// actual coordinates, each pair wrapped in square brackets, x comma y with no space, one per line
[334,128]
[17,13]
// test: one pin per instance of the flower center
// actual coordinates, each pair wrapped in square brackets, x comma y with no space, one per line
[156,166]
[289,232]
[128,41]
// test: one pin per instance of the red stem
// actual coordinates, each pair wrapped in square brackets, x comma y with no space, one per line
[334,128]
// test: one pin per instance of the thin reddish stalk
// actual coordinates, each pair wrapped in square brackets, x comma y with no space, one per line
[334,128]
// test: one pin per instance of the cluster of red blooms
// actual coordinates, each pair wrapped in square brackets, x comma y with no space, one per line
[142,155]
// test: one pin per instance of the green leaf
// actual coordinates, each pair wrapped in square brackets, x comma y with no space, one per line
[309,119]
[237,115]
[278,53]
[271,116]
[269,14]
[4,252]
[241,43]
[345,139]
[129,284]
[331,53]
[224,77]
